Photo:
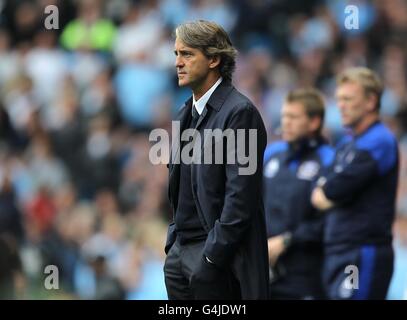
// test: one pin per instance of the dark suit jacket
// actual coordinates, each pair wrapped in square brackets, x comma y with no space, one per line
[229,204]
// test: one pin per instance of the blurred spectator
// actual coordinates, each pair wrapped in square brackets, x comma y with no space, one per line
[99,165]
[89,31]
[140,90]
[140,33]
[11,278]
[149,285]
[21,106]
[100,99]
[24,20]
[398,285]
[10,216]
[8,59]
[107,287]
[41,210]
[47,171]
[46,66]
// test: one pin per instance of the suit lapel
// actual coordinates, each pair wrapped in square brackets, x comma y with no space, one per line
[183,119]
[174,165]
[215,102]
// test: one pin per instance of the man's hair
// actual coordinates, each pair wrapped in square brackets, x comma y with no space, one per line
[313,103]
[212,40]
[367,78]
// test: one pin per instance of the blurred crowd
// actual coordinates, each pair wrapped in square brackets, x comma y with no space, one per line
[77,103]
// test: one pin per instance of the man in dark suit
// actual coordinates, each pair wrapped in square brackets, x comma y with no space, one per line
[217,245]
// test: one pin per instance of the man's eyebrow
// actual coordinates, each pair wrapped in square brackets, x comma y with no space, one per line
[182,51]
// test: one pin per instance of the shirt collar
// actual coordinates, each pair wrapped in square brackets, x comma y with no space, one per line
[201,103]
[374,123]
[303,146]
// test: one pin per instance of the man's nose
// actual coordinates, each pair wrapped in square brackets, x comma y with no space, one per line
[341,105]
[178,62]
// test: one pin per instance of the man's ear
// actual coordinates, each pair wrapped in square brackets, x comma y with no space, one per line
[315,123]
[214,62]
[372,102]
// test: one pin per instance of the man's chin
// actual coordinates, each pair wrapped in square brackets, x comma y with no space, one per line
[182,83]
[287,138]
[345,122]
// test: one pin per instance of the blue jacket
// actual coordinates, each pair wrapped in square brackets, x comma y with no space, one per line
[290,175]
[363,185]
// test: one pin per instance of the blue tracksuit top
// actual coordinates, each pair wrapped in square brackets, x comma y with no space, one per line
[362,183]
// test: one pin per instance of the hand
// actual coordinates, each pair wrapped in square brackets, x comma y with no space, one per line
[320,201]
[206,271]
[275,247]
[209,281]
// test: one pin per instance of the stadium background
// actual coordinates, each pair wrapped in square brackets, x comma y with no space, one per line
[77,189]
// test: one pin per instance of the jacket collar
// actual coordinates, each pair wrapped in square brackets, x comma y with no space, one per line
[303,146]
[217,98]
[373,124]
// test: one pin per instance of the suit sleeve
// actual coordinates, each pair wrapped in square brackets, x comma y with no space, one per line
[242,198]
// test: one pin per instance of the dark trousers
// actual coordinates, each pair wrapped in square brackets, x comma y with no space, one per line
[188,276]
[296,279]
[287,289]
[375,269]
